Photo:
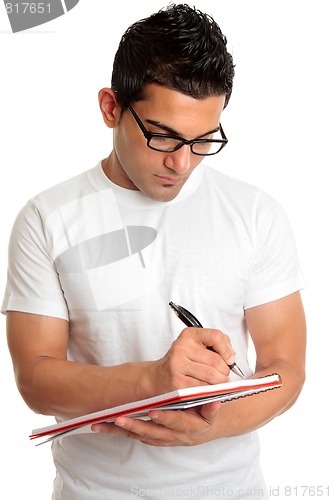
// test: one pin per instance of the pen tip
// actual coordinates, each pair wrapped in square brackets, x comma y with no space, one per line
[239,372]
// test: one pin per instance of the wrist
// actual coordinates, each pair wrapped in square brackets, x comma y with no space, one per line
[146,379]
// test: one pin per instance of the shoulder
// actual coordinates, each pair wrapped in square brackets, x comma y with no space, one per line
[66,192]
[237,195]
[227,184]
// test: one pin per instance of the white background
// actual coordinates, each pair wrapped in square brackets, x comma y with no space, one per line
[279,125]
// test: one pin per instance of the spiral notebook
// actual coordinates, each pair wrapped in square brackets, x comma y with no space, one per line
[176,400]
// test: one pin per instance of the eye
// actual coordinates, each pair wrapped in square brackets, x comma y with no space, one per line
[164,141]
[161,139]
[203,146]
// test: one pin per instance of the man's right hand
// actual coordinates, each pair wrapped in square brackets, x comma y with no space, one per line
[190,363]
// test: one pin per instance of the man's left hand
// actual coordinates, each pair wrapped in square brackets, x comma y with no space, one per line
[166,427]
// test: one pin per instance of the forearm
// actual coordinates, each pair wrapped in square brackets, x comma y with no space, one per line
[247,414]
[278,330]
[69,389]
[52,385]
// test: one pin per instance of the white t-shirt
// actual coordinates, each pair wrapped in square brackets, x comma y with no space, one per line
[110,260]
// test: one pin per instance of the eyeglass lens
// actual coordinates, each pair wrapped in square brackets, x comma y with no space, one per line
[171,144]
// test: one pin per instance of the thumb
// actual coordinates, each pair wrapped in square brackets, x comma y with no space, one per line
[210,410]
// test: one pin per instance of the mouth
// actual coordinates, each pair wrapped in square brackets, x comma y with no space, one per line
[169,181]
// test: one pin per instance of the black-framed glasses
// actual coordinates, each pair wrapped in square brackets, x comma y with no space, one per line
[166,143]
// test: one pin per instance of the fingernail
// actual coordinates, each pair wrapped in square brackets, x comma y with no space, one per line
[154,416]
[120,423]
[230,360]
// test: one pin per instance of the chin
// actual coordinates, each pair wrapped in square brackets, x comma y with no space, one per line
[161,193]
[169,193]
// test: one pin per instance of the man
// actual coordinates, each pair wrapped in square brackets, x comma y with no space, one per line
[95,261]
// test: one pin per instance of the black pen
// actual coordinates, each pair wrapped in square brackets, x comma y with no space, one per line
[189,320]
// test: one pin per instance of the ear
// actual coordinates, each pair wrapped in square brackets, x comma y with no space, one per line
[111,111]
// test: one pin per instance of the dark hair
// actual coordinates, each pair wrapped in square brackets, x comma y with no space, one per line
[178,47]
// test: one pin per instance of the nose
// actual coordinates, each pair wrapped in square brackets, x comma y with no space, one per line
[179,161]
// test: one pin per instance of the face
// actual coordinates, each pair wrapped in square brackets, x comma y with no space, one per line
[158,175]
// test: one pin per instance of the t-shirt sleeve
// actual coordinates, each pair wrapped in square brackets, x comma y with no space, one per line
[32,282]
[275,271]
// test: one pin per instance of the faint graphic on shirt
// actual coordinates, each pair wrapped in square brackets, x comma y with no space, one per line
[118,262]
[120,265]
[106,249]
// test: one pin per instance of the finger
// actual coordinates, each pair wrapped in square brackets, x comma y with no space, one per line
[147,432]
[210,410]
[109,429]
[192,421]
[210,338]
[138,427]
[190,364]
[198,373]
[219,342]
[196,365]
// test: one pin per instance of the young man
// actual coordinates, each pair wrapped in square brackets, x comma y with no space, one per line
[95,261]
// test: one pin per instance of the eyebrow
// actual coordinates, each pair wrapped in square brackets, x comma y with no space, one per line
[173,131]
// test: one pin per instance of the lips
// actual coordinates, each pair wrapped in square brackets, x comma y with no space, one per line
[170,181]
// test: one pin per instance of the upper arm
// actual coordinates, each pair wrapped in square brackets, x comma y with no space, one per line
[278,331]
[31,337]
